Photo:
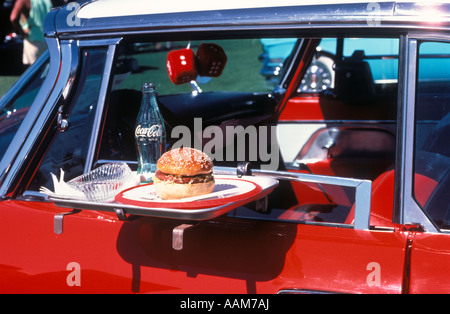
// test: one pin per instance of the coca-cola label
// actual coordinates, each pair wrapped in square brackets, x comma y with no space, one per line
[151,132]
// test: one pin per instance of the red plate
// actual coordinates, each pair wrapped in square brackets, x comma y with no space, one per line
[226,190]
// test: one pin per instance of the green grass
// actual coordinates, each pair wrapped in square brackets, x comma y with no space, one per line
[6,82]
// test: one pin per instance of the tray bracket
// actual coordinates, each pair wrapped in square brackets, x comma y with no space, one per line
[120,214]
[177,235]
[58,220]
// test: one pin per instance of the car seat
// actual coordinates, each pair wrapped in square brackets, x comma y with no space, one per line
[431,181]
[353,79]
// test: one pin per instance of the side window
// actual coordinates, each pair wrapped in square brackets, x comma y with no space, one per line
[342,123]
[275,54]
[432,133]
[380,53]
[13,112]
[320,74]
[68,150]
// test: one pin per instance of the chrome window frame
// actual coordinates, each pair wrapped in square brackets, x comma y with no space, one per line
[410,211]
[111,45]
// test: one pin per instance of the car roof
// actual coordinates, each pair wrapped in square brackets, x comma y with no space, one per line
[110,17]
[109,8]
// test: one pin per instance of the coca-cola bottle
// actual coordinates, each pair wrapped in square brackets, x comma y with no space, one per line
[150,133]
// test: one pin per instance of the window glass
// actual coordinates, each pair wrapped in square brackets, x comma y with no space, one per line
[380,53]
[68,151]
[13,113]
[275,53]
[432,132]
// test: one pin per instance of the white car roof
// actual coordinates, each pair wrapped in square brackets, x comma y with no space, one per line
[113,8]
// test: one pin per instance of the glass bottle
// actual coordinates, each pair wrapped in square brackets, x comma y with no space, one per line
[150,133]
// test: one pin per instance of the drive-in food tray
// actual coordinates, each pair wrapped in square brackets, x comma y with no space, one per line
[230,192]
[259,184]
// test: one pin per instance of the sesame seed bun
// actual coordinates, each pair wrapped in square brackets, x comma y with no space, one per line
[185,161]
[183,172]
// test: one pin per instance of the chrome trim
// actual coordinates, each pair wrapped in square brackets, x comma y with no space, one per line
[101,97]
[389,16]
[100,42]
[364,122]
[58,81]
[363,189]
[400,133]
[283,83]
[408,209]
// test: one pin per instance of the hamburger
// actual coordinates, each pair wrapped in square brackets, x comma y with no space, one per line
[183,172]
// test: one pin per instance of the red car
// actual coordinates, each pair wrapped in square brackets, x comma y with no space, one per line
[340,187]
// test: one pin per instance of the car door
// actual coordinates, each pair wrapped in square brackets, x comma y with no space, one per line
[310,127]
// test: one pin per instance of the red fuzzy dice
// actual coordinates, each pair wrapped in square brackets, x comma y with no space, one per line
[211,60]
[181,66]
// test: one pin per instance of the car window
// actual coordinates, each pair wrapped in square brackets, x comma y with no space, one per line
[68,150]
[432,132]
[13,112]
[274,56]
[380,53]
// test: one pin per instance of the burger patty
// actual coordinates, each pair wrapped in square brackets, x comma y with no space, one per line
[201,178]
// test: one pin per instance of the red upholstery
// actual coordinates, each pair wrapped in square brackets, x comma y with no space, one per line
[382,202]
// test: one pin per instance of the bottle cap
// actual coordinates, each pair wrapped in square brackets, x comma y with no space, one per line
[146,86]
